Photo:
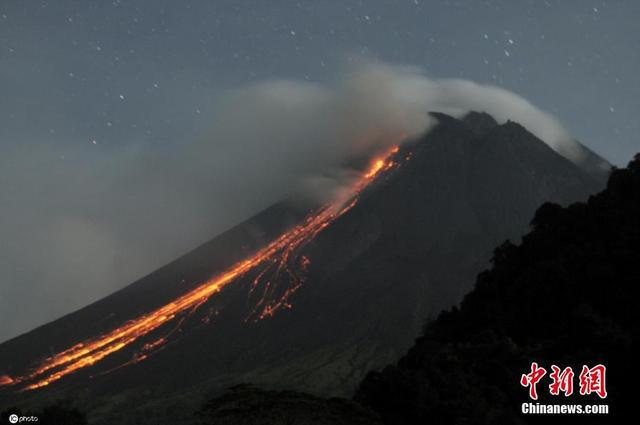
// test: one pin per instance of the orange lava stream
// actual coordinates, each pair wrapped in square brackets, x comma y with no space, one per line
[277,253]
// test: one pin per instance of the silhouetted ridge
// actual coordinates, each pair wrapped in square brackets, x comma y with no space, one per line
[247,405]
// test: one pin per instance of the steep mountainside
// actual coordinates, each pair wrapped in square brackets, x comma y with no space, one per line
[409,247]
[560,297]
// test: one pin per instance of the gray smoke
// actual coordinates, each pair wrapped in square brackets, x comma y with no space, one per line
[76,228]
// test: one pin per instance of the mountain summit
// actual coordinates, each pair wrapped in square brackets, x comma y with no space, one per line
[349,298]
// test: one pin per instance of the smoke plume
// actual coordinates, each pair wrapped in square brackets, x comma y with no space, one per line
[79,227]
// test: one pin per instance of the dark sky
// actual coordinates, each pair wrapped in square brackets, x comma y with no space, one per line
[149,69]
[87,85]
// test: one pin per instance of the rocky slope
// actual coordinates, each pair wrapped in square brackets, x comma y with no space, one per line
[562,296]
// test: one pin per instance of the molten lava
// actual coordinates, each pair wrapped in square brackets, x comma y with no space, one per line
[280,257]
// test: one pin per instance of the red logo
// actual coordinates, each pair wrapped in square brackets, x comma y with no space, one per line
[591,380]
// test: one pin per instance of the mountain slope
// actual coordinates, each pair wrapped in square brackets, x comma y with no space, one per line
[409,247]
[562,297]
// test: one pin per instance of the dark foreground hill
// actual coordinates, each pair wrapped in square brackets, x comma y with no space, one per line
[410,247]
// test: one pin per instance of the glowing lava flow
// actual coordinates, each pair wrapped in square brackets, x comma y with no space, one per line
[275,254]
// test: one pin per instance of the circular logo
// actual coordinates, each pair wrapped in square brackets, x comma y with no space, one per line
[13,418]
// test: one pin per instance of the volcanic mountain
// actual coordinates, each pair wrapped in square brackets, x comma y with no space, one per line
[304,300]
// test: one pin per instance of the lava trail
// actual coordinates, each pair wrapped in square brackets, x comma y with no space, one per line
[274,258]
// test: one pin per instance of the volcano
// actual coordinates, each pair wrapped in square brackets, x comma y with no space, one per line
[301,299]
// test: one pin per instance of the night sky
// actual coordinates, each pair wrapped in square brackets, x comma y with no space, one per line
[80,80]
[80,71]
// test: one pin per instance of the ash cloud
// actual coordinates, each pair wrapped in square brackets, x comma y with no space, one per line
[78,226]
